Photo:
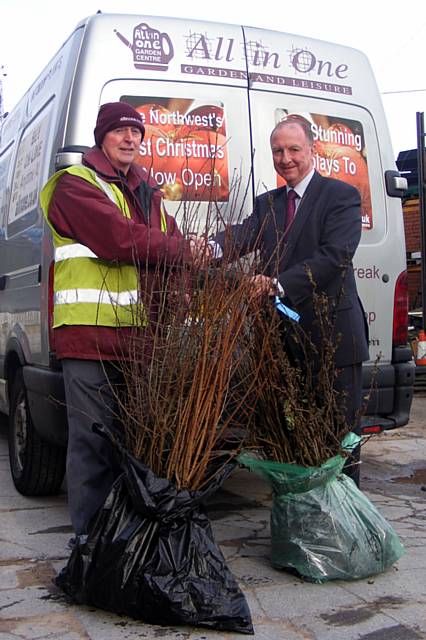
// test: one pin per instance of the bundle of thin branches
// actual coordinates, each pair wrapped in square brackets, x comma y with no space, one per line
[186,389]
[300,416]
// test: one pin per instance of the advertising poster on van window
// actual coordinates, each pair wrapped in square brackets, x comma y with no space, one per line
[4,189]
[184,148]
[26,179]
[339,152]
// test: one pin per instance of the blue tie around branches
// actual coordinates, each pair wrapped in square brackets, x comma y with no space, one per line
[286,311]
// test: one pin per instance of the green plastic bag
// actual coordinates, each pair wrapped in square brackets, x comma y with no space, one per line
[322,526]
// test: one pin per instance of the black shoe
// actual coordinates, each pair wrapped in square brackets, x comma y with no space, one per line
[72,542]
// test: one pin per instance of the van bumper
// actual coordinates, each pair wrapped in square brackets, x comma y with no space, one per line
[389,389]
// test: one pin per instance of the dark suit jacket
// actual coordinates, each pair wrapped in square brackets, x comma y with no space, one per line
[321,241]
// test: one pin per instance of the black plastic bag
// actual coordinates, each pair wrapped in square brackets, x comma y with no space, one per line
[150,554]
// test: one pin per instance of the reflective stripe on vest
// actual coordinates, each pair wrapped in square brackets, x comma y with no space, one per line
[68,251]
[89,290]
[71,296]
[106,187]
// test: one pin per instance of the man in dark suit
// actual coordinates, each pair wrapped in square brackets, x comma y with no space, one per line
[313,248]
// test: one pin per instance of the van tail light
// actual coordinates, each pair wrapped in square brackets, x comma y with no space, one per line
[376,428]
[400,311]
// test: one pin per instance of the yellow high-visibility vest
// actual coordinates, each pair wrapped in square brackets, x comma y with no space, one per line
[87,289]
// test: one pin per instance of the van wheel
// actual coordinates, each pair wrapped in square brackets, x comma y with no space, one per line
[37,466]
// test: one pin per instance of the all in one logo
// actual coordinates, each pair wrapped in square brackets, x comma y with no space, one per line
[151,49]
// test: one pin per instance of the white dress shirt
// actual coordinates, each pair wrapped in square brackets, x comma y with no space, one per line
[301,187]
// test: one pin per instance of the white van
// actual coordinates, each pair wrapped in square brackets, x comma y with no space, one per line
[210,95]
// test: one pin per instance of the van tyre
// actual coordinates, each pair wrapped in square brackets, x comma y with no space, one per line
[37,466]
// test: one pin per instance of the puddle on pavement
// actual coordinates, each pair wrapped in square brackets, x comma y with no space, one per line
[418,476]
[356,615]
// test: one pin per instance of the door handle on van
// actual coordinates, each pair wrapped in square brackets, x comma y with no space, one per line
[396,184]
[3,280]
[70,155]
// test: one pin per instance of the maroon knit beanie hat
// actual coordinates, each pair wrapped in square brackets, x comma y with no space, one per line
[113,115]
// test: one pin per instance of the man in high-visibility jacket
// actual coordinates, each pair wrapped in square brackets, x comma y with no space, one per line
[110,232]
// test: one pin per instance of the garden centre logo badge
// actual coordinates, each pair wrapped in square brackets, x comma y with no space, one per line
[151,48]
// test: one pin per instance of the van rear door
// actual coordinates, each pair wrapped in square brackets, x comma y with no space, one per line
[334,89]
[345,148]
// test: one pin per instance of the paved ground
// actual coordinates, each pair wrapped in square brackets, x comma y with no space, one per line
[391,606]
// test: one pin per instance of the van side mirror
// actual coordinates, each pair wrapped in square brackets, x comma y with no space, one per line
[396,184]
[68,156]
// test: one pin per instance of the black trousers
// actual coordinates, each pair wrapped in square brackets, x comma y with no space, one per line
[92,465]
[349,386]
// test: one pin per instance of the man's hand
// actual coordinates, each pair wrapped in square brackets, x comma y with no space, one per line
[263,286]
[201,252]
